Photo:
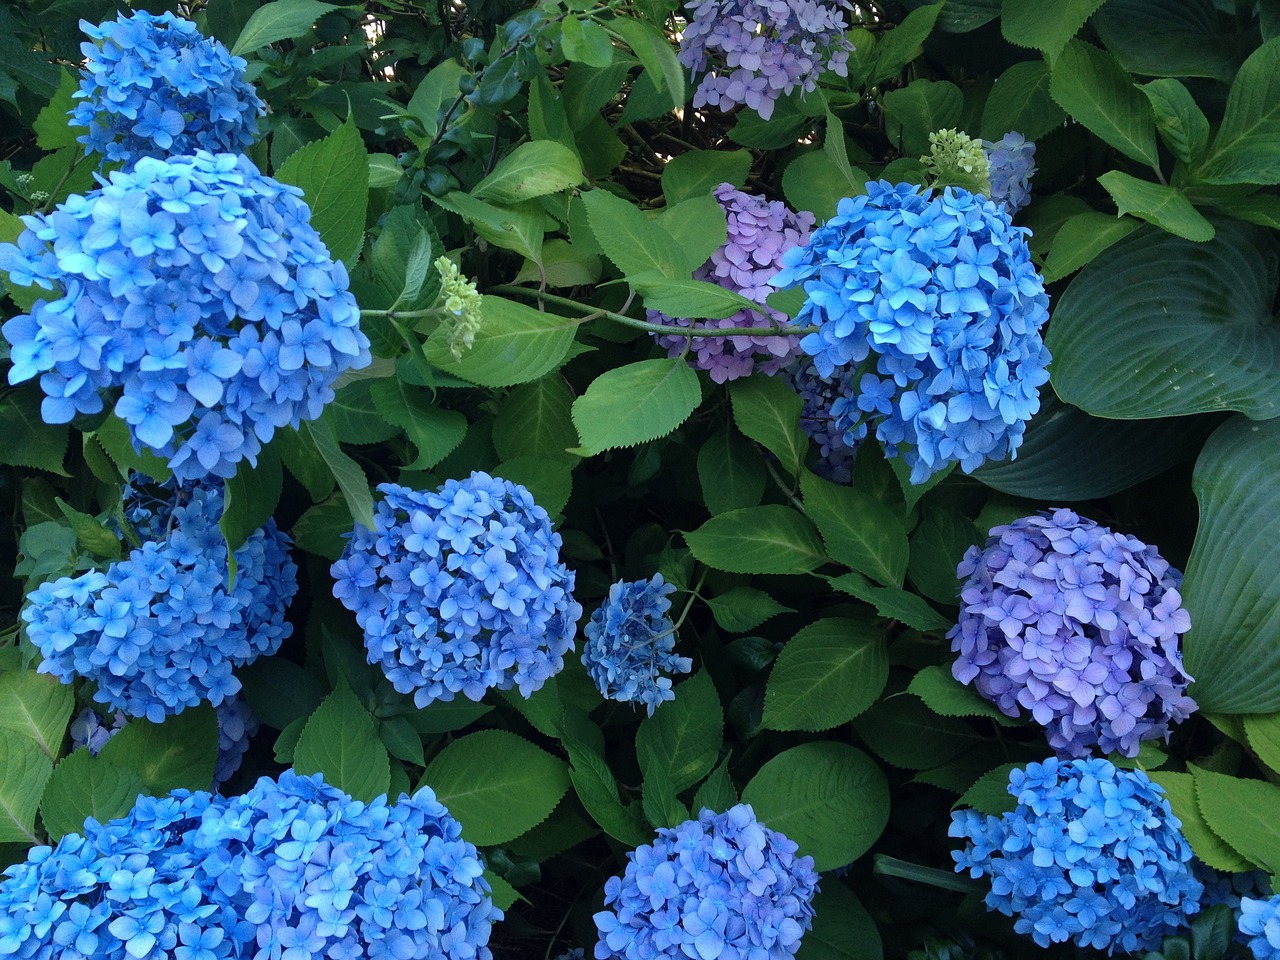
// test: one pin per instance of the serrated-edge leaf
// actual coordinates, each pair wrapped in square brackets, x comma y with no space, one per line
[1166,207]
[948,697]
[36,706]
[631,240]
[280,20]
[349,474]
[1046,27]
[533,169]
[635,403]
[340,741]
[765,539]
[1097,92]
[515,344]
[24,771]
[684,735]
[84,786]
[1241,812]
[826,675]
[334,176]
[768,411]
[1081,238]
[858,530]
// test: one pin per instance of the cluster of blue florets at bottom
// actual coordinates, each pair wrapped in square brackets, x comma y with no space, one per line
[1260,922]
[1092,854]
[460,590]
[294,869]
[722,887]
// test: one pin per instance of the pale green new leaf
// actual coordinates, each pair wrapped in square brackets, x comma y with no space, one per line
[279,20]
[36,706]
[515,344]
[334,176]
[24,771]
[532,169]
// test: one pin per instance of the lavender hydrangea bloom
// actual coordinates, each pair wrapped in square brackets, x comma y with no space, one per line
[198,289]
[759,232]
[721,886]
[818,395]
[1077,625]
[754,51]
[460,590]
[1012,167]
[1260,922]
[161,630]
[153,86]
[1092,853]
[89,731]
[631,644]
[934,302]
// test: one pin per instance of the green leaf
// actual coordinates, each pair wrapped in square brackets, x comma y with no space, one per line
[1247,147]
[902,731]
[585,41]
[402,261]
[684,735]
[1181,123]
[830,798]
[631,240]
[279,691]
[768,411]
[1241,812]
[532,169]
[402,741]
[251,497]
[535,421]
[717,792]
[435,94]
[812,182]
[1020,101]
[1080,239]
[334,176]
[1234,604]
[435,432]
[349,474]
[659,802]
[447,716]
[990,793]
[564,265]
[1205,844]
[181,752]
[24,771]
[1046,27]
[695,173]
[324,529]
[1166,207]
[691,299]
[730,472]
[497,784]
[598,790]
[279,20]
[91,533]
[893,603]
[515,344]
[52,127]
[1264,737]
[899,46]
[341,742]
[36,706]
[858,530]
[826,675]
[744,608]
[947,697]
[1166,327]
[766,539]
[842,928]
[1096,91]
[29,441]
[543,709]
[917,110]
[83,786]
[699,226]
[550,481]
[1175,38]
[635,403]
[938,543]
[656,55]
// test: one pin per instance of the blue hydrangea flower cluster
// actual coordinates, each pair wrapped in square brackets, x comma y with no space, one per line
[1260,922]
[631,643]
[90,731]
[818,395]
[161,630]
[289,871]
[722,887]
[1092,854]
[460,590]
[759,232]
[935,303]
[1012,161]
[1229,890]
[754,51]
[1077,625]
[198,287]
[152,86]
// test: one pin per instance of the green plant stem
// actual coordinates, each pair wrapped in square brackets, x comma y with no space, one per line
[946,879]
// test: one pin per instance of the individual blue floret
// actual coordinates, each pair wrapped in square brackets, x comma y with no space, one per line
[1260,922]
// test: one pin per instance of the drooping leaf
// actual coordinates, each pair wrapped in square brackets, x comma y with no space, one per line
[947,697]
[1168,208]
[341,742]
[596,787]
[891,602]
[919,109]
[250,498]
[635,403]
[350,476]
[519,227]
[904,732]
[1081,238]
[826,675]
[279,691]
[334,176]
[765,539]
[655,54]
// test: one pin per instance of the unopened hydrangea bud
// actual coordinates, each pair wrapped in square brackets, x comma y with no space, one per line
[1012,167]
[458,295]
[955,159]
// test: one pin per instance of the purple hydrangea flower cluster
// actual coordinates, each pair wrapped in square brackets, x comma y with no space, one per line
[460,590]
[1092,854]
[1077,625]
[1012,161]
[722,887]
[631,644]
[295,870]
[818,395]
[1260,922]
[161,630]
[760,231]
[935,303]
[152,86]
[198,287]
[755,51]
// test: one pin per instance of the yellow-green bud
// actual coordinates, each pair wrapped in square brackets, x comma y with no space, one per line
[459,298]
[957,160]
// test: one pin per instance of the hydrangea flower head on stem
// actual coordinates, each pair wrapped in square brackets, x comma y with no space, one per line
[1078,626]
[460,590]
[760,231]
[196,295]
[630,644]
[722,886]
[463,302]
[153,86]
[1092,854]
[957,160]
[933,301]
[1260,922]
[161,630]
[1012,165]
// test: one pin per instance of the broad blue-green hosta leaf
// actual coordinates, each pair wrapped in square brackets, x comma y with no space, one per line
[1174,38]
[1230,589]
[1160,326]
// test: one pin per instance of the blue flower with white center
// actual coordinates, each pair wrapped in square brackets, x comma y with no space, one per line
[934,304]
[194,293]
[1092,853]
[1260,922]
[153,86]
[630,644]
[460,590]
[721,886]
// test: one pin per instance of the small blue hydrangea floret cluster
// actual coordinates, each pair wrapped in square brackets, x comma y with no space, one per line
[460,590]
[818,394]
[294,869]
[760,231]
[161,630]
[1260,922]
[722,887]
[1092,853]
[934,302]
[198,288]
[1077,625]
[631,642]
[152,86]
[1012,163]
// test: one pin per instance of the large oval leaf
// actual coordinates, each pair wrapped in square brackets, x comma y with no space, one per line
[829,673]
[1230,589]
[515,344]
[1159,327]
